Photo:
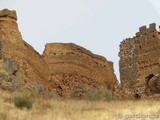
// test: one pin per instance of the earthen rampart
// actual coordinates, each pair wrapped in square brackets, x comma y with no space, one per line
[70,58]
[60,66]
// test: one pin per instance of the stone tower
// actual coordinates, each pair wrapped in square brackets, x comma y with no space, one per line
[139,60]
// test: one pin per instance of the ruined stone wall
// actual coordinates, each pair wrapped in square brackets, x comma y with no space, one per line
[59,68]
[127,62]
[72,59]
[139,58]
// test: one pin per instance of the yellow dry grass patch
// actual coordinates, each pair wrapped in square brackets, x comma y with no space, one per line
[54,109]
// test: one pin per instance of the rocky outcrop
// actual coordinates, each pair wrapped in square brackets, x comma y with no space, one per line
[139,62]
[10,65]
[57,70]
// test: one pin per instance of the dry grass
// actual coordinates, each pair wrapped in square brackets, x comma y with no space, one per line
[54,109]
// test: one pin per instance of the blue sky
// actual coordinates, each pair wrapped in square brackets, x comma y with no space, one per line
[98,25]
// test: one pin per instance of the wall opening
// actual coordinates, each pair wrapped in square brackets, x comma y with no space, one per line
[137,96]
[147,78]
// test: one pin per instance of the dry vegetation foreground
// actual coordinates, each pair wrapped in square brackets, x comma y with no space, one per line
[54,109]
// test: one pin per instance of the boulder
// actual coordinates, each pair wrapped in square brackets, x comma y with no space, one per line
[10,65]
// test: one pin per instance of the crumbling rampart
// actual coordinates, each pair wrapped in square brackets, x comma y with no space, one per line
[60,66]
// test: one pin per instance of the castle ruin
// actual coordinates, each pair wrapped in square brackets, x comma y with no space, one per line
[140,61]
[59,67]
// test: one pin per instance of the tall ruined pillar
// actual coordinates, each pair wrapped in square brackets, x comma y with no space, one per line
[127,64]
[31,63]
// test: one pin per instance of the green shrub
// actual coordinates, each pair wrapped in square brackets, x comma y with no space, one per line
[93,95]
[21,102]
[108,96]
[85,91]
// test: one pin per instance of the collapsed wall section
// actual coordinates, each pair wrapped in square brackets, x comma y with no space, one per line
[71,59]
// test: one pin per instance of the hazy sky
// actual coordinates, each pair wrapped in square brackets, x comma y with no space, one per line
[98,25]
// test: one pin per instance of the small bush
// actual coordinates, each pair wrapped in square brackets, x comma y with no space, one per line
[21,102]
[108,96]
[100,94]
[93,95]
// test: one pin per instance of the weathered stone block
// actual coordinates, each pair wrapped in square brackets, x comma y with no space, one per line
[142,29]
[138,34]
